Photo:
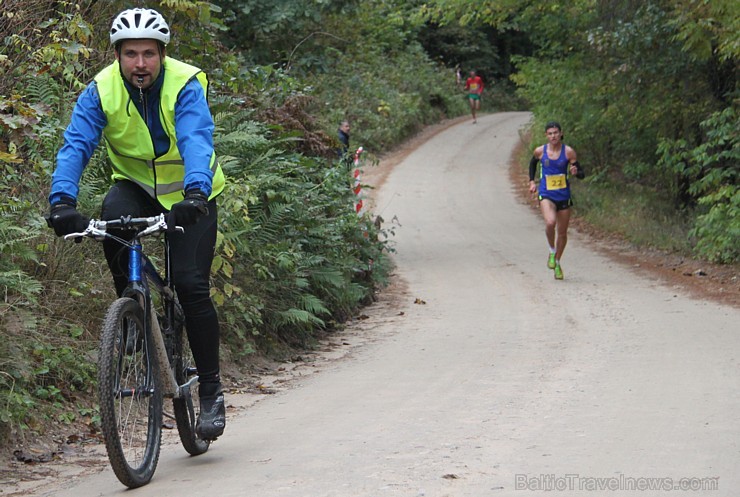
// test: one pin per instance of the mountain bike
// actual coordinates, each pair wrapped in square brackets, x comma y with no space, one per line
[144,357]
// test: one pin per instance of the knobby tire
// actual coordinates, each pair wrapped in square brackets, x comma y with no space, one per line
[130,394]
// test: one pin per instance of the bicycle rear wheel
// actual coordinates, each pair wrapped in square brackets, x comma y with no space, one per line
[130,394]
[186,408]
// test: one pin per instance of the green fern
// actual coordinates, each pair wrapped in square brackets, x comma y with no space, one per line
[43,89]
[270,222]
[327,276]
[19,283]
[298,317]
[14,244]
[298,249]
[313,304]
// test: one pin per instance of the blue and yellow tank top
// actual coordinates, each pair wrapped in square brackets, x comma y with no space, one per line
[554,183]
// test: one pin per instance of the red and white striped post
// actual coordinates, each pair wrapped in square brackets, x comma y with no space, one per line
[359,202]
[357,186]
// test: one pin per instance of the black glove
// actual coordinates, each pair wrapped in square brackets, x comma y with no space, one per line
[188,211]
[64,218]
[581,173]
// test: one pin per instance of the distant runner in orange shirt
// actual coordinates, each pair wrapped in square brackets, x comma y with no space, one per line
[474,87]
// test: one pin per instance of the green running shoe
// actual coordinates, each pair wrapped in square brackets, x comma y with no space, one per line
[551,261]
[558,272]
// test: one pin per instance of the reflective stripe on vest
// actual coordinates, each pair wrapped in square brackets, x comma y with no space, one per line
[129,142]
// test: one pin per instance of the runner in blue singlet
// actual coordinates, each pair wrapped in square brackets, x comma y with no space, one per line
[557,163]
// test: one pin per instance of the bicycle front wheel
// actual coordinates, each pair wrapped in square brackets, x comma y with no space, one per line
[129,393]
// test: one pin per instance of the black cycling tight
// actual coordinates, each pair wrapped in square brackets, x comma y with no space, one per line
[191,256]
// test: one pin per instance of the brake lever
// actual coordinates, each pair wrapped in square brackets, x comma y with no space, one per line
[92,231]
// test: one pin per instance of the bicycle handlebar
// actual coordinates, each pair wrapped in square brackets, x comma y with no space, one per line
[98,228]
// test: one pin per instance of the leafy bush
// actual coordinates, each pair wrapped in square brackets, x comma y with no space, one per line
[714,178]
[384,105]
[718,230]
[293,255]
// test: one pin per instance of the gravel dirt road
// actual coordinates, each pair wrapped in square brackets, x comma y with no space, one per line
[479,374]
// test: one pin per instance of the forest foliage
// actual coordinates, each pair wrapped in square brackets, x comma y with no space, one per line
[293,258]
[646,90]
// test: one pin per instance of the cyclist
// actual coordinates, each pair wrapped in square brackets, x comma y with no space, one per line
[153,112]
[557,161]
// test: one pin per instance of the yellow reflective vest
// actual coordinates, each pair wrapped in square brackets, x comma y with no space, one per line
[130,144]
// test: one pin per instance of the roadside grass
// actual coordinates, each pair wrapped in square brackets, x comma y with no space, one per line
[633,212]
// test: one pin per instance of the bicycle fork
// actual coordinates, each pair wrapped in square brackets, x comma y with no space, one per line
[170,387]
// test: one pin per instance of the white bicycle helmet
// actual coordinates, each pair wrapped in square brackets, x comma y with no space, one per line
[139,23]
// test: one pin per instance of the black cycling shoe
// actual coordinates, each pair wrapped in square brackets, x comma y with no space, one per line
[212,418]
